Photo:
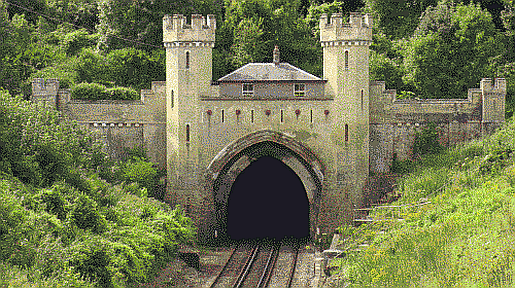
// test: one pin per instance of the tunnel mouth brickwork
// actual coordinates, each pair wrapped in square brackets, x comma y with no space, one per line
[237,157]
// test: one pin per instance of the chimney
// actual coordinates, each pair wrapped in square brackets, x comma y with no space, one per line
[276,55]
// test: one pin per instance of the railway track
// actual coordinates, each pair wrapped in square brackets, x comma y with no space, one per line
[262,265]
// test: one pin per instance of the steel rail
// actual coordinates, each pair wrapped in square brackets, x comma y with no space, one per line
[224,268]
[292,271]
[269,267]
[246,267]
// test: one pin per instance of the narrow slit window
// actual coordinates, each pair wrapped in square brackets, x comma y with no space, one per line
[346,133]
[346,60]
[282,118]
[311,116]
[248,89]
[171,98]
[187,132]
[361,100]
[187,59]
[222,115]
[251,116]
[299,90]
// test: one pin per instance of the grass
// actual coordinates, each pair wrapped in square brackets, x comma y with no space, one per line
[464,238]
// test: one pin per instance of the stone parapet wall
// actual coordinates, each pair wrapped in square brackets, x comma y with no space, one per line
[120,123]
[394,122]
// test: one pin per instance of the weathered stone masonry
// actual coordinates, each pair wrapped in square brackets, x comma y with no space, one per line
[332,132]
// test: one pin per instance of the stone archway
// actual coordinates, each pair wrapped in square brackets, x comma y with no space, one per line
[237,156]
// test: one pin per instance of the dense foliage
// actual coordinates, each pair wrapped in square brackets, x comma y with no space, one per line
[457,210]
[61,223]
[430,49]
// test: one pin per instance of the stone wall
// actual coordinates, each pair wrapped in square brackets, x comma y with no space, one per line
[394,122]
[120,123]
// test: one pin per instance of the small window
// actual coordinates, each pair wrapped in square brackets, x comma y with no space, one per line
[282,118]
[299,90]
[187,59]
[248,89]
[311,116]
[251,116]
[171,98]
[346,60]
[223,116]
[346,132]
[187,132]
[361,100]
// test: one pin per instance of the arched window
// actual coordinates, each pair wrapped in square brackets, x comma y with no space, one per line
[346,60]
[187,132]
[346,132]
[187,59]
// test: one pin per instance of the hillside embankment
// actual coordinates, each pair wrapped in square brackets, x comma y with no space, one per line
[453,226]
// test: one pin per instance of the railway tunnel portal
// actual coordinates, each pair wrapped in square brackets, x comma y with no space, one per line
[267,188]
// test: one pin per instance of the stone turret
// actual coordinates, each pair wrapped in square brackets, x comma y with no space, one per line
[200,31]
[346,68]
[359,28]
[494,95]
[188,79]
[45,91]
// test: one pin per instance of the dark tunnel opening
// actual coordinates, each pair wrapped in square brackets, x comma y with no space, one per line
[267,200]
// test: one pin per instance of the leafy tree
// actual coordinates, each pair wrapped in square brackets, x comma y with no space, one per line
[124,23]
[80,13]
[397,19]
[450,50]
[270,23]
[384,69]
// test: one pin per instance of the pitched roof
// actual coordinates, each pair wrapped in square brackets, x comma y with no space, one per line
[268,72]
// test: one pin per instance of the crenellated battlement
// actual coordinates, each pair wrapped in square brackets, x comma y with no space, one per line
[358,31]
[40,87]
[498,85]
[176,29]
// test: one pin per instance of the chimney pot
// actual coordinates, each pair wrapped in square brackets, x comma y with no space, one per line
[276,55]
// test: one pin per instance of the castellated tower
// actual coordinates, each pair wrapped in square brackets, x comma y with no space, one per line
[188,78]
[346,68]
[494,94]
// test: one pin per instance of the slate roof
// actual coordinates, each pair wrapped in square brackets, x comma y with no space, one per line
[254,72]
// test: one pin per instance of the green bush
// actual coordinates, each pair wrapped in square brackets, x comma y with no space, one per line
[73,42]
[401,166]
[122,93]
[139,171]
[86,216]
[11,212]
[89,91]
[55,202]
[426,141]
[96,91]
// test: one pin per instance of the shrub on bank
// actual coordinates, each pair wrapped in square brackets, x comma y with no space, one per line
[462,236]
[60,222]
